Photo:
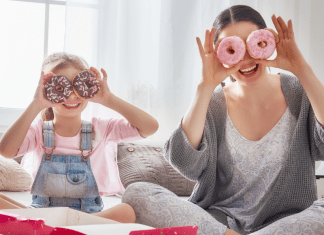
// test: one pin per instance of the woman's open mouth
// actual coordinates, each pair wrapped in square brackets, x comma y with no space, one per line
[249,72]
[72,106]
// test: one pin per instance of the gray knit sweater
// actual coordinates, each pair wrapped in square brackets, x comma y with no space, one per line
[295,187]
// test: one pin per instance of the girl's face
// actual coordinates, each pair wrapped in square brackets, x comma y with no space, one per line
[73,106]
[243,29]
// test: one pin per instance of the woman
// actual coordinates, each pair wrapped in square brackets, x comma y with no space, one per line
[251,146]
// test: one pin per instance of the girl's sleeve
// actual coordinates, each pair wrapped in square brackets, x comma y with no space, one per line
[32,138]
[117,130]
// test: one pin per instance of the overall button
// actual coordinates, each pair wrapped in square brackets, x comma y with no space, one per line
[130,149]
[97,200]
[75,179]
[158,149]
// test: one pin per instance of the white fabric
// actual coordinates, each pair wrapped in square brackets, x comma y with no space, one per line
[149,51]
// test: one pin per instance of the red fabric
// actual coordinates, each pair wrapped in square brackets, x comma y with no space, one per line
[187,230]
[16,224]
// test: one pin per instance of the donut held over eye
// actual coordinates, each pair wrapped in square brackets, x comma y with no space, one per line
[231,50]
[261,44]
[58,89]
[85,85]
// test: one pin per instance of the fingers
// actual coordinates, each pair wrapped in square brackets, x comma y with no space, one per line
[291,33]
[95,72]
[277,26]
[284,27]
[105,76]
[211,39]
[45,77]
[41,80]
[206,44]
[200,47]
[275,35]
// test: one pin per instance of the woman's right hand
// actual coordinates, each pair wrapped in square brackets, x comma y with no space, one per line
[40,98]
[213,72]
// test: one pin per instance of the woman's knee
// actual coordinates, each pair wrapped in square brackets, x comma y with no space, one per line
[144,189]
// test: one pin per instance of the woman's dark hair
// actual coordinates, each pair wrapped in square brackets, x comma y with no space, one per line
[58,61]
[237,13]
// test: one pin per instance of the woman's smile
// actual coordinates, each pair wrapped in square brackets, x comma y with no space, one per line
[250,71]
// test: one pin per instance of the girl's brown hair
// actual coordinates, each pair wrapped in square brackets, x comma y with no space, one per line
[55,62]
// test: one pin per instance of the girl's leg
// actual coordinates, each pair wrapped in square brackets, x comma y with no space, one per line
[122,213]
[158,207]
[8,203]
[310,221]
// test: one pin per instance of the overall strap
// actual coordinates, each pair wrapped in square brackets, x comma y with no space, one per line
[48,138]
[86,136]
[48,134]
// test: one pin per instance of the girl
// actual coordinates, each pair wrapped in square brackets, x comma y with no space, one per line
[251,146]
[64,146]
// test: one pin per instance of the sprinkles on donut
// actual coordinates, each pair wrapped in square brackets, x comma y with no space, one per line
[85,85]
[58,89]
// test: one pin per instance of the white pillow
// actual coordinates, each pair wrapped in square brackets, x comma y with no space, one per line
[13,177]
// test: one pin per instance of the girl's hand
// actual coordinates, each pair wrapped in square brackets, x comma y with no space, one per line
[213,72]
[289,56]
[104,92]
[40,98]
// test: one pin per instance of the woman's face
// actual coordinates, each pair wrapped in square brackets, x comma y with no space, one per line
[73,106]
[243,29]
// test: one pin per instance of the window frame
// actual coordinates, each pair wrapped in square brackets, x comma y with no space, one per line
[9,115]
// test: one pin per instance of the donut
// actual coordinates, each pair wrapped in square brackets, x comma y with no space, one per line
[58,89]
[85,85]
[261,44]
[231,50]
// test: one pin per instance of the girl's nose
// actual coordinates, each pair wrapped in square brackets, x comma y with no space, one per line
[73,95]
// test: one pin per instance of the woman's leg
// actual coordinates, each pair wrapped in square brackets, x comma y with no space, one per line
[158,207]
[8,203]
[122,213]
[310,221]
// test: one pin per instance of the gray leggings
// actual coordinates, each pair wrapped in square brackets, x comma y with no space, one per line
[157,207]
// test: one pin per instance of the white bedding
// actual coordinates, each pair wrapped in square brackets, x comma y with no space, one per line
[109,201]
[26,198]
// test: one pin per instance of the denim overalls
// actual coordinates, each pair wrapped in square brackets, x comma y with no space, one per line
[66,180]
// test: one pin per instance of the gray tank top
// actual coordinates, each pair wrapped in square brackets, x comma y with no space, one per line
[258,163]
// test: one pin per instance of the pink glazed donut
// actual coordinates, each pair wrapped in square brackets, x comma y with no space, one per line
[231,50]
[261,44]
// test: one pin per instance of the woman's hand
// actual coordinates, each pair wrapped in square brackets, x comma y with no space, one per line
[104,92]
[213,72]
[289,56]
[40,98]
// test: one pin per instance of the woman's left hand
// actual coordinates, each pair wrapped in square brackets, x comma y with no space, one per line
[104,92]
[289,56]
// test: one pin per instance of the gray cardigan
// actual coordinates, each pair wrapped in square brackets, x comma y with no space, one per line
[295,188]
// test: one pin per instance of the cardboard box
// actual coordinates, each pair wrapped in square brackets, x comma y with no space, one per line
[65,217]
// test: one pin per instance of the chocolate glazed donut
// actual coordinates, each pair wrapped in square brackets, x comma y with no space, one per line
[85,85]
[58,89]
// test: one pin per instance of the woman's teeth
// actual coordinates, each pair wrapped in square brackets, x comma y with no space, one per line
[248,70]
